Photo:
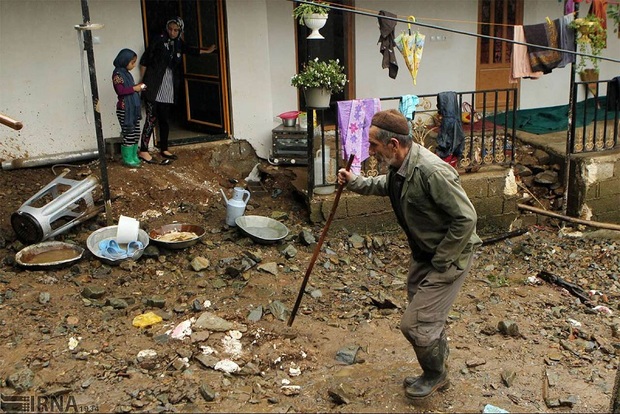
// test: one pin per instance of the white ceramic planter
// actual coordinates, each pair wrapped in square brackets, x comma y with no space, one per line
[315,22]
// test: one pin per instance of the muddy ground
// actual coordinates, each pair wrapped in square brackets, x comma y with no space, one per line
[66,339]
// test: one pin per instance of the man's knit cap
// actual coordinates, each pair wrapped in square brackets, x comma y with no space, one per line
[391,120]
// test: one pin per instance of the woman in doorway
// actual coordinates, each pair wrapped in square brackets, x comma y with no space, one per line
[160,67]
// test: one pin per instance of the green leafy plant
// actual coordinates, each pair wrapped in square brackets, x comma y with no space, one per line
[591,39]
[321,74]
[309,8]
[499,281]
[613,12]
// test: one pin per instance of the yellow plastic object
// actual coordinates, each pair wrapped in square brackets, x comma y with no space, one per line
[146,320]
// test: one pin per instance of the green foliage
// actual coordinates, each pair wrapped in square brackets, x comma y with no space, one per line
[320,74]
[499,281]
[309,8]
[613,12]
[591,39]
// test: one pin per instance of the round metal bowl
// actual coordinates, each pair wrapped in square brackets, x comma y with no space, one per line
[261,229]
[289,122]
[289,119]
[155,234]
[50,254]
[109,233]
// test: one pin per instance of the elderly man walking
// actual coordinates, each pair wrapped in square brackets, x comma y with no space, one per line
[439,221]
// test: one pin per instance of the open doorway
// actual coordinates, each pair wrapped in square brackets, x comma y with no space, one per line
[202,111]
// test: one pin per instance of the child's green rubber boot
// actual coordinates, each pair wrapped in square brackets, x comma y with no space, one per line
[134,153]
[128,153]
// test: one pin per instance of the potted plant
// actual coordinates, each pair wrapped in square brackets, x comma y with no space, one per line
[319,79]
[591,39]
[313,15]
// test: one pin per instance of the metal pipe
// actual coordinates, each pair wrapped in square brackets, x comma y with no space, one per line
[65,157]
[90,54]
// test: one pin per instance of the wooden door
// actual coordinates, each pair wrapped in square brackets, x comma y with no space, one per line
[206,75]
[496,18]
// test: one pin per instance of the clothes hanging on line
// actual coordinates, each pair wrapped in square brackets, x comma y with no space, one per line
[354,118]
[407,105]
[387,43]
[543,34]
[520,65]
[613,94]
[567,40]
[451,139]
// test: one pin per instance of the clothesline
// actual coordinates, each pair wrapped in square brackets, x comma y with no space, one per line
[430,26]
[344,6]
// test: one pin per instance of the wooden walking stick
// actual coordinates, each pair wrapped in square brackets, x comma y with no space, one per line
[317,249]
[10,122]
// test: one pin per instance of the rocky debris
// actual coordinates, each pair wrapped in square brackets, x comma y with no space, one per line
[538,179]
[232,313]
[509,328]
[348,354]
[341,394]
[21,380]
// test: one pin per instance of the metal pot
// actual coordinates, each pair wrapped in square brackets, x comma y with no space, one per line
[289,122]
[289,119]
[155,234]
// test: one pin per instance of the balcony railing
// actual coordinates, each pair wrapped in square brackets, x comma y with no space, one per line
[595,121]
[487,140]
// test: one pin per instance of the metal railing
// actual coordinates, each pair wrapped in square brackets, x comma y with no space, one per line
[595,121]
[487,139]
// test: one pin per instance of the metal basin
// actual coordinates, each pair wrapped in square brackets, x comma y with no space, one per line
[289,119]
[261,229]
[155,234]
[107,233]
[46,255]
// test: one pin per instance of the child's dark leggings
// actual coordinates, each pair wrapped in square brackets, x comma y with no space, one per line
[156,113]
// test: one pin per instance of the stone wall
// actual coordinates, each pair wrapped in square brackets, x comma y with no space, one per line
[594,187]
[492,191]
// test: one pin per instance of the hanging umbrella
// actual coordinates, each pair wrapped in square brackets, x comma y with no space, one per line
[411,47]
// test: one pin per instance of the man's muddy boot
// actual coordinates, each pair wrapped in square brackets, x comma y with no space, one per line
[433,360]
[409,381]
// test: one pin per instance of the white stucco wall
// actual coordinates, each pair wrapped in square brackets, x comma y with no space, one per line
[262,60]
[41,78]
[446,65]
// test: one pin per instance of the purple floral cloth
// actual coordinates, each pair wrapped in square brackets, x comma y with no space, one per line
[354,119]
